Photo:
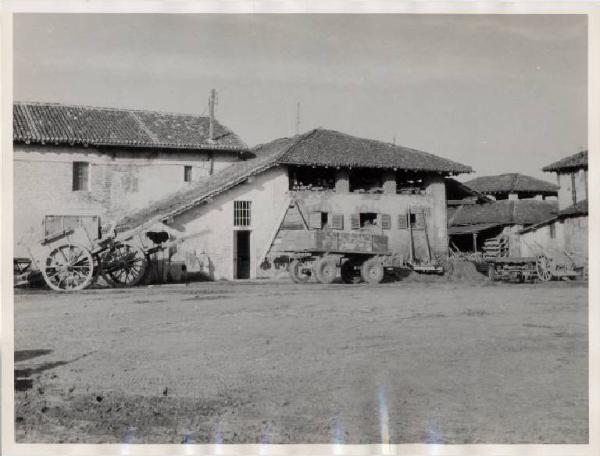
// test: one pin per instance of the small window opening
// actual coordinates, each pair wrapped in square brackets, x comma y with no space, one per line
[552,231]
[241,213]
[412,220]
[187,173]
[81,174]
[368,219]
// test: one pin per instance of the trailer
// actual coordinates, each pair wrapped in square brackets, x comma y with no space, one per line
[359,256]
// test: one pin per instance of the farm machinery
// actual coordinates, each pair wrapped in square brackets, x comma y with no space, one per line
[359,256]
[75,259]
[502,266]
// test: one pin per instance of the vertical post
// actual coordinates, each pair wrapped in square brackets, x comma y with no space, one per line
[474,242]
[211,115]
[410,231]
[298,118]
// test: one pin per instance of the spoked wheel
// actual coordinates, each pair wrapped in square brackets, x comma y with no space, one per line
[123,265]
[542,266]
[299,271]
[372,271]
[326,269]
[69,267]
[350,272]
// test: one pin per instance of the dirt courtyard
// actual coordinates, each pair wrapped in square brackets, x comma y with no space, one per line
[256,362]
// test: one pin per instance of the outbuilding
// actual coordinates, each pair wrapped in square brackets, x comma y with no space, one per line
[239,220]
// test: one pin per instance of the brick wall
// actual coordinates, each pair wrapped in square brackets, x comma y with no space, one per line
[120,181]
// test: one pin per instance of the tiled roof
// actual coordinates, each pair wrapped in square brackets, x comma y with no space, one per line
[578,209]
[265,157]
[76,125]
[512,183]
[506,212]
[332,148]
[578,160]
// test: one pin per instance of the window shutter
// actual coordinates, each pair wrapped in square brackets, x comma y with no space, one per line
[402,221]
[386,221]
[420,220]
[337,221]
[354,221]
[314,221]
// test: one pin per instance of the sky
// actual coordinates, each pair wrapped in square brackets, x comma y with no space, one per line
[501,93]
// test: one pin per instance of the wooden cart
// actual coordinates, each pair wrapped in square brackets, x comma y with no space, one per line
[528,269]
[75,259]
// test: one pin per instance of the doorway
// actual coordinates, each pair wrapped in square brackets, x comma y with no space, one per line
[241,257]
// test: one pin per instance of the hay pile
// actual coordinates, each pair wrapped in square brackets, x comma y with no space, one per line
[461,270]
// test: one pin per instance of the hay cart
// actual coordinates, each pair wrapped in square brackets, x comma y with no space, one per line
[358,256]
[75,260]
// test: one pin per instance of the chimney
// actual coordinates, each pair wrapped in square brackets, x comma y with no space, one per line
[211,116]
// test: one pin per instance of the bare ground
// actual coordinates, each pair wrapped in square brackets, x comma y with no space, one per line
[250,362]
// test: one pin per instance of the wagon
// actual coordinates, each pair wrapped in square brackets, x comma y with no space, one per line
[75,259]
[359,256]
[528,269]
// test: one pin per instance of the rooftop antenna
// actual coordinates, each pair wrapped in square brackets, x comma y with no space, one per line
[394,140]
[211,115]
[298,118]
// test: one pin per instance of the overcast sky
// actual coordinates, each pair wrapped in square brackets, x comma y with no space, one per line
[499,93]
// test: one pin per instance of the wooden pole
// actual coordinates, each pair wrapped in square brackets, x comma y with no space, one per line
[412,253]
[474,242]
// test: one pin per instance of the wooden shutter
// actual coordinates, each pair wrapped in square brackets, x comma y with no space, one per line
[354,221]
[386,221]
[314,221]
[337,221]
[420,220]
[402,221]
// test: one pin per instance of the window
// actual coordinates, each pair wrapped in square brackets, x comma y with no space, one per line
[318,220]
[337,221]
[368,219]
[81,174]
[552,231]
[187,173]
[241,213]
[315,179]
[366,180]
[386,222]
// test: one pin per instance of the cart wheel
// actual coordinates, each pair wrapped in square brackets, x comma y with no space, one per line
[123,266]
[326,269]
[542,266]
[349,273]
[69,267]
[492,272]
[299,272]
[372,271]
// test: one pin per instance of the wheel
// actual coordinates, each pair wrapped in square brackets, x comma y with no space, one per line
[372,271]
[542,267]
[299,271]
[349,273]
[492,272]
[123,265]
[326,269]
[69,267]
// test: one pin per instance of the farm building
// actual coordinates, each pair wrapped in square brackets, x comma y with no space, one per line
[470,225]
[513,186]
[237,223]
[81,165]
[563,236]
